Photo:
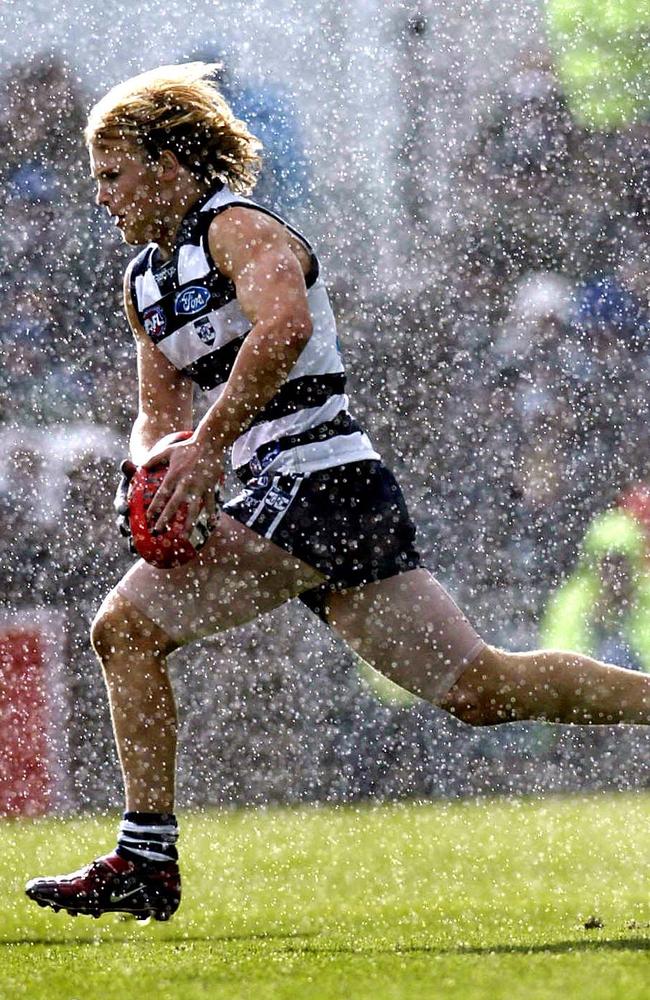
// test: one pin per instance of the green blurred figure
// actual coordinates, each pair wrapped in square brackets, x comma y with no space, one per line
[603,58]
[603,609]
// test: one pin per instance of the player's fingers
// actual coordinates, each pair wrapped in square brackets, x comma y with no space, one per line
[166,515]
[193,509]
[211,505]
[218,491]
[161,498]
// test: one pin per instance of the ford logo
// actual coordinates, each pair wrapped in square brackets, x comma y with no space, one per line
[191,300]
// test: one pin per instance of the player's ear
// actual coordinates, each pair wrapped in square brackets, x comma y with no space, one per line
[167,166]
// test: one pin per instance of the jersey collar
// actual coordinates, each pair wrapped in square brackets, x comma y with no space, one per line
[191,217]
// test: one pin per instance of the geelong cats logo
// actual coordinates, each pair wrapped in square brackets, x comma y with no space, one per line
[205,330]
[191,300]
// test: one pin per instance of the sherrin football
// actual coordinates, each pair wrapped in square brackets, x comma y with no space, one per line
[169,547]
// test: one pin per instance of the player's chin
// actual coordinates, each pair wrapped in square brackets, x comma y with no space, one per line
[131,232]
[136,236]
[132,238]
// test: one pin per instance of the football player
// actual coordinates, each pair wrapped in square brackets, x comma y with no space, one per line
[228,298]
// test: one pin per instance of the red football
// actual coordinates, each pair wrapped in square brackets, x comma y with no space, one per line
[170,547]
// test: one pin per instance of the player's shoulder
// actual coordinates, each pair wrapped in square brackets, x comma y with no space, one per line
[134,269]
[138,264]
[245,225]
[234,215]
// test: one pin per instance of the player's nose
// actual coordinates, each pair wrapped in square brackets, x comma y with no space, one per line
[102,198]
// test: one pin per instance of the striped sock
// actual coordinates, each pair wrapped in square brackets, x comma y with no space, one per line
[150,837]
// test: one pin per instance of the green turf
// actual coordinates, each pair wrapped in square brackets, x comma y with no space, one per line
[471,900]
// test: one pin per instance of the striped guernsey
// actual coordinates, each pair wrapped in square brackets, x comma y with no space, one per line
[190,312]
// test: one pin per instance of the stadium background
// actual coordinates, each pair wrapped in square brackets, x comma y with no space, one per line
[485,245]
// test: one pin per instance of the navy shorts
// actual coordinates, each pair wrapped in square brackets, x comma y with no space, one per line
[349,522]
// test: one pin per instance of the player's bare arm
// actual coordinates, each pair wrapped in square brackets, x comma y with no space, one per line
[164,395]
[255,252]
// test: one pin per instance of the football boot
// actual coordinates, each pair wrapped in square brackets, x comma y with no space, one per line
[112,884]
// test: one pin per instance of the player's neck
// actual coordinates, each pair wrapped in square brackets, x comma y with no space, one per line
[184,197]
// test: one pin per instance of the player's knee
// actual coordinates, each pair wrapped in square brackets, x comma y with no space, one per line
[107,632]
[473,698]
[465,705]
[119,629]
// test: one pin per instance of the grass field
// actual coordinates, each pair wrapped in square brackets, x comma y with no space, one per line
[465,900]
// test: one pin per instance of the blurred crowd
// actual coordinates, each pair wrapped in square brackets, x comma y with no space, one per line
[62,347]
[551,305]
[526,354]
[527,363]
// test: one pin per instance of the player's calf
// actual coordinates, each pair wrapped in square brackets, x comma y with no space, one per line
[499,687]
[550,686]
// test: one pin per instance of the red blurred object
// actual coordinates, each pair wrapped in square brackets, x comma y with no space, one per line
[636,500]
[31,717]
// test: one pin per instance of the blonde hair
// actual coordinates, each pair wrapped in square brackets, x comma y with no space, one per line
[179,108]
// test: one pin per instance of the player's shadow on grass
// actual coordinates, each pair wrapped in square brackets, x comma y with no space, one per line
[292,944]
[557,948]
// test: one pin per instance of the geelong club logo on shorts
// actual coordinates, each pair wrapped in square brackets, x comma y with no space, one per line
[205,330]
[191,300]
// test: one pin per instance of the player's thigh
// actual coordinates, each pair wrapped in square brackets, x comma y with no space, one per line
[237,576]
[408,627]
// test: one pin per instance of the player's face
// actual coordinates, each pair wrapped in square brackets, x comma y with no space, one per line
[127,186]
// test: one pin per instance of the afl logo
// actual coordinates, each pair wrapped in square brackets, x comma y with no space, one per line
[154,322]
[191,300]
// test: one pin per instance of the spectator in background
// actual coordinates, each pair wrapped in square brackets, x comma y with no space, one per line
[532,132]
[48,332]
[283,181]
[603,608]
[532,349]
[41,116]
[612,304]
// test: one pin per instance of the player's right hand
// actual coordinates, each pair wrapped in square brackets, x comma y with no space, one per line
[192,472]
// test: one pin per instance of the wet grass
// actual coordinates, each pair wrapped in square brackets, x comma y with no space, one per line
[482,899]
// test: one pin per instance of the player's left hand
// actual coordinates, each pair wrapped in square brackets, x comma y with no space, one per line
[194,476]
[121,499]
